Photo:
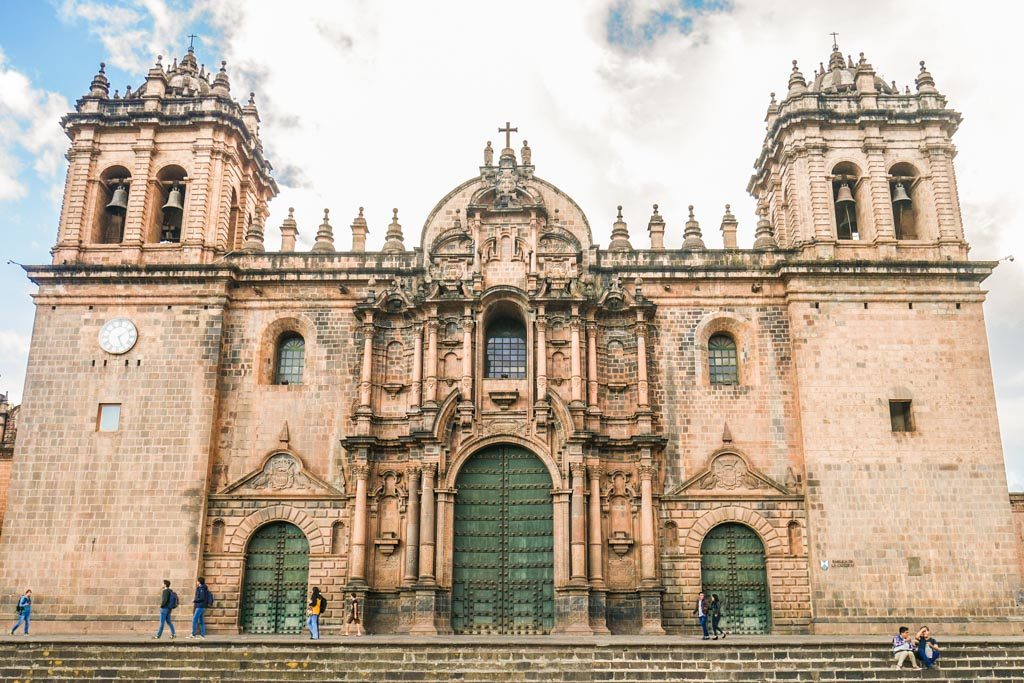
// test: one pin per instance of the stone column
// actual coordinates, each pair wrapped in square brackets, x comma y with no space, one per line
[542,355]
[577,371]
[427,525]
[357,556]
[944,196]
[366,375]
[648,570]
[466,386]
[596,542]
[412,529]
[578,557]
[592,364]
[417,367]
[877,190]
[430,386]
[643,399]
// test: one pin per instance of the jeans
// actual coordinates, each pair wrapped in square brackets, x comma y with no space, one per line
[165,618]
[715,628]
[922,654]
[314,626]
[704,625]
[198,625]
[23,618]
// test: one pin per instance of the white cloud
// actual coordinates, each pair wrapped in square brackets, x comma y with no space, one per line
[28,127]
[13,360]
[389,104]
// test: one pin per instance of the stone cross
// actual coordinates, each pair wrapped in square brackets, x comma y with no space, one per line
[508,130]
[191,40]
[835,42]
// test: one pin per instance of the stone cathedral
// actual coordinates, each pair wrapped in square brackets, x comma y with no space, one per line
[500,426]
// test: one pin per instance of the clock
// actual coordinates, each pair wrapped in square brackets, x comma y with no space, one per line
[118,336]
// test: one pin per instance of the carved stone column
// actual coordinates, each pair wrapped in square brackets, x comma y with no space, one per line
[650,591]
[366,373]
[430,387]
[598,593]
[593,411]
[427,525]
[576,381]
[542,355]
[578,526]
[357,555]
[643,398]
[467,356]
[417,367]
[412,529]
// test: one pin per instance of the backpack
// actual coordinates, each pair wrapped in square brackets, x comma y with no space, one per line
[323,604]
[173,601]
[209,598]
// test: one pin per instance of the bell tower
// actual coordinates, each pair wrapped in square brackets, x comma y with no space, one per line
[854,168]
[170,172]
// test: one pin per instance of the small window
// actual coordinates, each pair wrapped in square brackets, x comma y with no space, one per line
[722,363]
[901,417]
[506,350]
[291,359]
[109,417]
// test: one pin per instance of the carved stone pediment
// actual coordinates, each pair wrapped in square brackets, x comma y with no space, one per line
[282,474]
[729,472]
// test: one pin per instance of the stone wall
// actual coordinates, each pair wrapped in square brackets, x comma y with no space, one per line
[1017,506]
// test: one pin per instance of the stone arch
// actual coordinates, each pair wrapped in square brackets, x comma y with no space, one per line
[774,544]
[239,539]
[468,450]
[743,332]
[267,348]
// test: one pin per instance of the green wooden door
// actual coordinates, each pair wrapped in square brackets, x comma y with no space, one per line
[503,564]
[732,566]
[276,573]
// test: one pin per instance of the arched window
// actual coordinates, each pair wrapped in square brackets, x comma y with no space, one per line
[722,362]
[506,349]
[844,197]
[114,205]
[291,359]
[169,210]
[902,178]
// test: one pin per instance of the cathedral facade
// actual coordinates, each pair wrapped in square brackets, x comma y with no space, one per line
[504,427]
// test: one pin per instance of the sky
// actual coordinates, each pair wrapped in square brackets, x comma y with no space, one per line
[389,104]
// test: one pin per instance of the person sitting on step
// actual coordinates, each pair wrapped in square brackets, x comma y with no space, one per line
[903,649]
[928,651]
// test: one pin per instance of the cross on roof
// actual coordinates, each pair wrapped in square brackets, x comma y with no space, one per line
[508,130]
[191,39]
[835,42]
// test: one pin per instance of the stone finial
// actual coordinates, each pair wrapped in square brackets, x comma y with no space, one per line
[526,154]
[729,225]
[726,433]
[764,239]
[488,154]
[691,233]
[393,239]
[100,86]
[457,221]
[254,235]
[620,235]
[797,82]
[924,81]
[285,435]
[656,228]
[324,235]
[359,231]
[221,84]
[289,231]
[251,116]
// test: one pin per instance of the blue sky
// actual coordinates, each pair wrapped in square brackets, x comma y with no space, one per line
[623,101]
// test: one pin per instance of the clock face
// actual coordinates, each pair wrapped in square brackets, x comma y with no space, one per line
[118,335]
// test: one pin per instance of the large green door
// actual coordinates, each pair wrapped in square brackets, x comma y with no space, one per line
[503,564]
[732,566]
[276,572]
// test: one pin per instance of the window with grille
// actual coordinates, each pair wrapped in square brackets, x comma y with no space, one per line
[291,358]
[722,363]
[506,350]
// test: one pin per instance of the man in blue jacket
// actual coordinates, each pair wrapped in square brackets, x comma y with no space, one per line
[200,602]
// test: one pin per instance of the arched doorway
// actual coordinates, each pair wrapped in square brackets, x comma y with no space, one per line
[732,566]
[503,560]
[276,573]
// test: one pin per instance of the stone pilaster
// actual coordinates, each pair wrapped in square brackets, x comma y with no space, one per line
[650,590]
[576,381]
[430,385]
[595,563]
[416,398]
[427,528]
[578,525]
[357,553]
[412,529]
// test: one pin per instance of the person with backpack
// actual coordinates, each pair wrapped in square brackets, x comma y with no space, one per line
[168,602]
[202,600]
[24,610]
[317,606]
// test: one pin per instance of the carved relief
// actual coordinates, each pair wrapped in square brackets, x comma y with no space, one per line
[729,472]
[281,472]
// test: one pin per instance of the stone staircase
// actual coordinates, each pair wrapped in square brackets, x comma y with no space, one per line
[476,659]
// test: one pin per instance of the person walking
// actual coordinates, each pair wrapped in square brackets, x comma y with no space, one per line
[702,614]
[24,610]
[168,602]
[715,608]
[317,606]
[354,615]
[203,599]
[903,649]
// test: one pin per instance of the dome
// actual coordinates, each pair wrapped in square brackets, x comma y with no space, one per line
[841,76]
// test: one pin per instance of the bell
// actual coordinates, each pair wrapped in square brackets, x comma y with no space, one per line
[845,196]
[174,200]
[119,201]
[900,196]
